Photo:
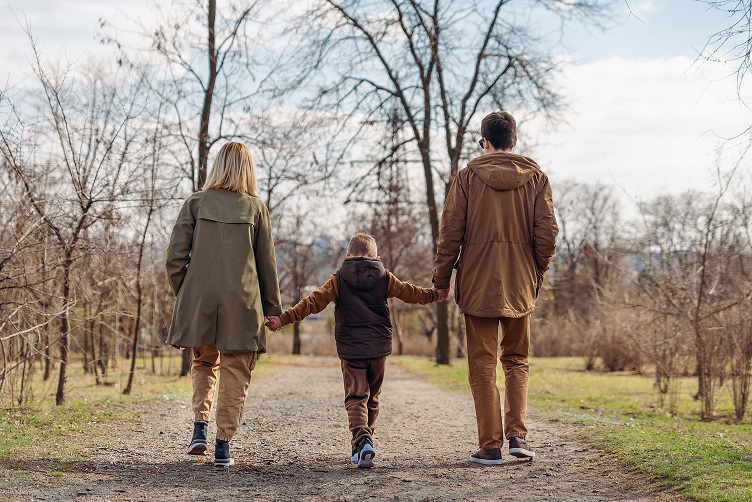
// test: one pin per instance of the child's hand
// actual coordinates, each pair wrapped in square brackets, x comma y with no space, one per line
[274,322]
[443,294]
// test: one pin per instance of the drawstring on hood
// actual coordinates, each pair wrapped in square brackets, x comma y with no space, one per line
[503,170]
[362,272]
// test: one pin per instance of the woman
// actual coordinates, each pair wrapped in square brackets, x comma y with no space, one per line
[221,266]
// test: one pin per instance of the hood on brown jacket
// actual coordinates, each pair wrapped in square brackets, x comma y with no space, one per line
[504,171]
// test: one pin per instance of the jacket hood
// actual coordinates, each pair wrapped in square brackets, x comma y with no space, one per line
[361,272]
[503,170]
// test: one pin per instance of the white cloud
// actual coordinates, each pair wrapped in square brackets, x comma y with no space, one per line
[646,125]
[643,7]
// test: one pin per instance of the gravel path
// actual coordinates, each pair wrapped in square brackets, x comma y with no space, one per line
[294,445]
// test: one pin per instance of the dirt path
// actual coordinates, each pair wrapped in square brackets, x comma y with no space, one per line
[294,446]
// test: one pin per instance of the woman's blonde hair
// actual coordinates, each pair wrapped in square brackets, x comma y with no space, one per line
[234,170]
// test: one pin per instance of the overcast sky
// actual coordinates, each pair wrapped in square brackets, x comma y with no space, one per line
[643,115]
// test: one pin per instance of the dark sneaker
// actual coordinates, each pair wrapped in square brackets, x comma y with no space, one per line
[222,456]
[363,454]
[519,448]
[198,442]
[487,457]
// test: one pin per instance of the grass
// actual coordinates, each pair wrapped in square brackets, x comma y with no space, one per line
[43,430]
[708,461]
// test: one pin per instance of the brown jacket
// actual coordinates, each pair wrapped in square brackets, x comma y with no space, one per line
[319,299]
[499,231]
[221,266]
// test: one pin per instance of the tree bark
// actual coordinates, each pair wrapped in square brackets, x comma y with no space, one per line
[203,135]
[185,364]
[296,338]
[64,331]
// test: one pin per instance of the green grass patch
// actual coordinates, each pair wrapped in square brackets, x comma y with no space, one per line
[42,430]
[705,460]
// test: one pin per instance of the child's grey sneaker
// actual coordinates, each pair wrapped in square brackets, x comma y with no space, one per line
[487,457]
[222,456]
[364,455]
[198,441]
[519,448]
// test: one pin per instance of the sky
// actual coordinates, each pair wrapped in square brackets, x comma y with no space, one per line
[643,114]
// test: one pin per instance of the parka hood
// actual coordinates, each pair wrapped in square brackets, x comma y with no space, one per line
[361,272]
[503,170]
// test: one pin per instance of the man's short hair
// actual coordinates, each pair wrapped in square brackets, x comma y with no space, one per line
[500,129]
[362,245]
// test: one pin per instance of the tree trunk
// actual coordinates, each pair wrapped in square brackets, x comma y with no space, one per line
[139,301]
[460,336]
[64,332]
[296,338]
[442,317]
[203,134]
[47,355]
[186,359]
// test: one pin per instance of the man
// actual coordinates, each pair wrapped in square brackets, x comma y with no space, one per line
[499,231]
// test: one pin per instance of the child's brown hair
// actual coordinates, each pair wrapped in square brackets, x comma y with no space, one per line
[363,245]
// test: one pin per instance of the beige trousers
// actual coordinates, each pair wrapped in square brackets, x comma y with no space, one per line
[482,348]
[235,378]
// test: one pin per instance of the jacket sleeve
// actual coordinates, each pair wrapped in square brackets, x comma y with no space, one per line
[451,234]
[410,293]
[179,249]
[266,265]
[545,228]
[313,303]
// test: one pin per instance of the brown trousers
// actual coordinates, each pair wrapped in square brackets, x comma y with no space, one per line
[235,378]
[482,349]
[363,379]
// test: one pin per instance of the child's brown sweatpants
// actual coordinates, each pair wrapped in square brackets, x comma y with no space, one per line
[363,379]
[234,380]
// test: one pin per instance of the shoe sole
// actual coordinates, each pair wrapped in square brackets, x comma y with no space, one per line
[521,453]
[225,462]
[365,460]
[196,449]
[483,461]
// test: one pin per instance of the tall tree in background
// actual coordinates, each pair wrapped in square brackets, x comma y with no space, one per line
[442,64]
[86,126]
[205,55]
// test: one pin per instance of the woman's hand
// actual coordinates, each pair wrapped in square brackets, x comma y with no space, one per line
[274,323]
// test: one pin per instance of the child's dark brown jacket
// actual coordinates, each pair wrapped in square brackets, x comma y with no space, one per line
[360,287]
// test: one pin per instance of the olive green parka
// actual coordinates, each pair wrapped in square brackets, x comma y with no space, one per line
[222,268]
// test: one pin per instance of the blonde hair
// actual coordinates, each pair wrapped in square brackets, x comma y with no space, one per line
[234,170]
[362,245]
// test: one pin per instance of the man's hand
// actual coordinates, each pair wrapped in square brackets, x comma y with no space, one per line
[443,294]
[274,323]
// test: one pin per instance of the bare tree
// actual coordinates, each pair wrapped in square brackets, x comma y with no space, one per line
[302,252]
[86,125]
[441,64]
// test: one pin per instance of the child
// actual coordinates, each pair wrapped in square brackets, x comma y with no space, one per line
[363,332]
[222,267]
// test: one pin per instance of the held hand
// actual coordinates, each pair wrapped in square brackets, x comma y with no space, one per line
[443,294]
[274,323]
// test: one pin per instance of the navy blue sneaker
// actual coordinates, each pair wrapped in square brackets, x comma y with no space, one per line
[363,453]
[222,456]
[198,442]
